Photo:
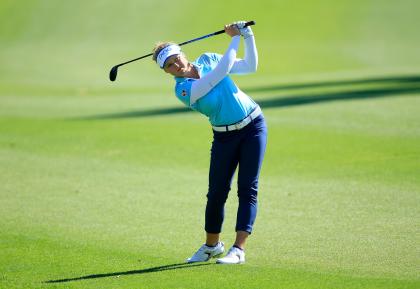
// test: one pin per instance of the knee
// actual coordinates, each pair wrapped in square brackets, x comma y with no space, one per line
[218,196]
[248,188]
[248,194]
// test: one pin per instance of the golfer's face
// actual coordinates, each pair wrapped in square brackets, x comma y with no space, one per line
[176,65]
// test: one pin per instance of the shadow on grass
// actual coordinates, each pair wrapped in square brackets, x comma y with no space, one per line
[353,89]
[133,272]
[395,81]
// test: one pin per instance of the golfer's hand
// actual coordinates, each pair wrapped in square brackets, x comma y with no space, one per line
[232,30]
[245,31]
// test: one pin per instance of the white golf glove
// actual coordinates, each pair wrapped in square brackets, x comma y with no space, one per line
[245,31]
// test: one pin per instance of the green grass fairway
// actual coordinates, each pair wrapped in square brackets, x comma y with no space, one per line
[103,185]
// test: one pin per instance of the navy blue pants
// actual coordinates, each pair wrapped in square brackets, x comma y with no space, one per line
[246,148]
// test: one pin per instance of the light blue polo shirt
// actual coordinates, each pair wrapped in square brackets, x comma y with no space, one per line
[225,104]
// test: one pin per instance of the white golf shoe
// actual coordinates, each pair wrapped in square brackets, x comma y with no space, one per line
[205,253]
[234,256]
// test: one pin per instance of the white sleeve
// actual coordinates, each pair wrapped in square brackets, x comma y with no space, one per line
[203,85]
[250,62]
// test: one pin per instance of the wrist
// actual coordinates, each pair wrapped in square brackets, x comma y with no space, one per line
[246,32]
[248,36]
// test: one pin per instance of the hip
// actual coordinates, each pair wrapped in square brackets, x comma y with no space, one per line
[257,127]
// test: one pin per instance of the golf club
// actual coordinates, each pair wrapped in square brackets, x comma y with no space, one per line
[114,70]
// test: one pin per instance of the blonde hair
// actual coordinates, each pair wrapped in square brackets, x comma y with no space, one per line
[158,48]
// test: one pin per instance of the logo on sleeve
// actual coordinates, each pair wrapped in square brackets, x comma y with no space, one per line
[184,92]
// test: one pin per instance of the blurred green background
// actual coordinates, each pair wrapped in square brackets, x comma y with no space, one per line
[103,183]
[73,45]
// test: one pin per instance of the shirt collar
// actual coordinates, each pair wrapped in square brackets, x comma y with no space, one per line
[199,68]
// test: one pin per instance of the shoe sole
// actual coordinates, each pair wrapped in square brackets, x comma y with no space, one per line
[221,263]
[214,256]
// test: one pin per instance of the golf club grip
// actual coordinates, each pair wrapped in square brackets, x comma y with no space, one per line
[249,23]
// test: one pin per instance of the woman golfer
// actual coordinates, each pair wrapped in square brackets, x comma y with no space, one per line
[239,133]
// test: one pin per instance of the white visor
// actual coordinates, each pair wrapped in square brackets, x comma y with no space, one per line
[166,52]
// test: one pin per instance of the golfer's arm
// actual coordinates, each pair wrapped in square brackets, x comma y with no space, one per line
[203,85]
[250,62]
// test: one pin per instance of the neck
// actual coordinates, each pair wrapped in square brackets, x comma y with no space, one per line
[192,72]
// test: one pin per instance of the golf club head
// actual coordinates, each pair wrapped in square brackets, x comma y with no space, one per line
[113,73]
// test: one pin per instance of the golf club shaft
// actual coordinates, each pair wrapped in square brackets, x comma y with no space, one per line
[213,34]
[183,43]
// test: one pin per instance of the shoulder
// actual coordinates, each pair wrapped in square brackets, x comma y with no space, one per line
[209,58]
[183,83]
[183,89]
